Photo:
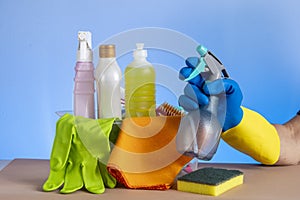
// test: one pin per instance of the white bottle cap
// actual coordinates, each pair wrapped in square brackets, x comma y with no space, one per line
[84,52]
[140,52]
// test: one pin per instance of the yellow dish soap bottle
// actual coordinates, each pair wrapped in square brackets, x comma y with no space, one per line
[140,85]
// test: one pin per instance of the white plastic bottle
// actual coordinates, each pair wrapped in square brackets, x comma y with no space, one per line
[84,103]
[140,85]
[108,77]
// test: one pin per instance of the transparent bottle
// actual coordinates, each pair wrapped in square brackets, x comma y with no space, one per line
[140,90]
[108,76]
[200,130]
[84,103]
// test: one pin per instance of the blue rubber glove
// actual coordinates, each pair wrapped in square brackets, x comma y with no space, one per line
[196,94]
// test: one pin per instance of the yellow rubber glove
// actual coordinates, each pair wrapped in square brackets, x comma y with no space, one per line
[78,146]
[256,137]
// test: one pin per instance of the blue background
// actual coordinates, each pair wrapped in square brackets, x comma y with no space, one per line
[258,41]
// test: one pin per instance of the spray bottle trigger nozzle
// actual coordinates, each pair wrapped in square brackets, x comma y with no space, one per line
[85,36]
[198,69]
[202,50]
[202,63]
[84,52]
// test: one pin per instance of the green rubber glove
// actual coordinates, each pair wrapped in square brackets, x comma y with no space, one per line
[79,155]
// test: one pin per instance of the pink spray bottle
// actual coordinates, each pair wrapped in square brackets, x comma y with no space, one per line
[84,102]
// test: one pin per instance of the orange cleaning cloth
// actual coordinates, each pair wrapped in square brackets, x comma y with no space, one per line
[145,154]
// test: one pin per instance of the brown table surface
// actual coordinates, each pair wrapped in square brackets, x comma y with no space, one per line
[23,178]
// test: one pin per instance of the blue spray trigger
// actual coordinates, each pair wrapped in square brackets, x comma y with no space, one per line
[199,69]
[201,65]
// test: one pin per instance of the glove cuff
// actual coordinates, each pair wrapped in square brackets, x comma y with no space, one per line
[256,137]
[235,119]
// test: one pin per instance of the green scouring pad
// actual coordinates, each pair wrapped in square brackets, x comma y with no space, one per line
[210,181]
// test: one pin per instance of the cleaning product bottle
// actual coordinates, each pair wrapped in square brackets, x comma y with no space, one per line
[84,103]
[140,85]
[200,130]
[108,76]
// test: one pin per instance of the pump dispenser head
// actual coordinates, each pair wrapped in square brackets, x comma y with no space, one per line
[140,52]
[84,52]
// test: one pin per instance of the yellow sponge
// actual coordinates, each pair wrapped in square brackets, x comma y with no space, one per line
[210,181]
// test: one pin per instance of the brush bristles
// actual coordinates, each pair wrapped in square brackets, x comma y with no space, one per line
[166,109]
